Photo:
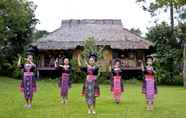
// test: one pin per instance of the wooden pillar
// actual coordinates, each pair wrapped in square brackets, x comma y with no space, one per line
[42,60]
[38,74]
[184,67]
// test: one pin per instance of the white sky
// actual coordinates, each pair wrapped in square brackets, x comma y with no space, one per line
[51,12]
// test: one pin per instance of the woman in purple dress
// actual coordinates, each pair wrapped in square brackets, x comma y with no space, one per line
[116,81]
[64,80]
[90,88]
[28,83]
[149,87]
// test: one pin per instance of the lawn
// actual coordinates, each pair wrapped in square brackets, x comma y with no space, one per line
[170,102]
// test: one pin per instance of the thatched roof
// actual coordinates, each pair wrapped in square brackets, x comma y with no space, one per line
[72,33]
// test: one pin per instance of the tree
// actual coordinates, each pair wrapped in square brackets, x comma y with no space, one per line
[90,47]
[182,38]
[17,22]
[165,4]
[136,31]
[181,2]
[39,33]
[169,57]
[172,47]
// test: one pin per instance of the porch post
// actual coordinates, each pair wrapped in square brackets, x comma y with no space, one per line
[42,61]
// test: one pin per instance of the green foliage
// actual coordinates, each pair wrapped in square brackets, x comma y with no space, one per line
[104,77]
[158,4]
[169,56]
[181,2]
[75,75]
[175,6]
[89,48]
[17,22]
[39,33]
[164,76]
[136,31]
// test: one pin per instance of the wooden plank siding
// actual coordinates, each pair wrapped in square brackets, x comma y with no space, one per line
[130,59]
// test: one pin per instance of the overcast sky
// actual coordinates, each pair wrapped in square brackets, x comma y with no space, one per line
[51,12]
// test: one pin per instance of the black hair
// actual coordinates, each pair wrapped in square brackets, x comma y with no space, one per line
[148,57]
[93,55]
[64,57]
[29,53]
[31,50]
[117,60]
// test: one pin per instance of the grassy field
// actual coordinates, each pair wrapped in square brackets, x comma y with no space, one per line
[170,102]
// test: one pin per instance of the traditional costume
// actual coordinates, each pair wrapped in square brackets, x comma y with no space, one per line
[28,83]
[149,87]
[64,81]
[90,87]
[117,84]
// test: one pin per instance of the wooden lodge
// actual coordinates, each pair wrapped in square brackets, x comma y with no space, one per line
[68,40]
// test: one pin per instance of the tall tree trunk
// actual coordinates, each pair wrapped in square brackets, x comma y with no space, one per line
[173,41]
[172,16]
[172,38]
[184,67]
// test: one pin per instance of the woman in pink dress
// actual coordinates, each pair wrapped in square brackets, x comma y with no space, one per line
[116,81]
[149,87]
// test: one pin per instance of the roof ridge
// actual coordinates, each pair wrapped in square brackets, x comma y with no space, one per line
[70,36]
[91,21]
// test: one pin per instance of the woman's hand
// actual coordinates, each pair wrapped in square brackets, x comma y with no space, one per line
[19,61]
[56,63]
[78,59]
[142,65]
[61,66]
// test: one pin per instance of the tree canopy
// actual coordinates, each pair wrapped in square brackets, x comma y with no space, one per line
[17,22]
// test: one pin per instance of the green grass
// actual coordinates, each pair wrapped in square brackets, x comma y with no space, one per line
[170,102]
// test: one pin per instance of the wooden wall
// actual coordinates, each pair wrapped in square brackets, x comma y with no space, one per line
[131,57]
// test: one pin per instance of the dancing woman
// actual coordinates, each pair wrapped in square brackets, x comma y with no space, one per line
[28,83]
[90,88]
[149,87]
[64,81]
[116,81]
